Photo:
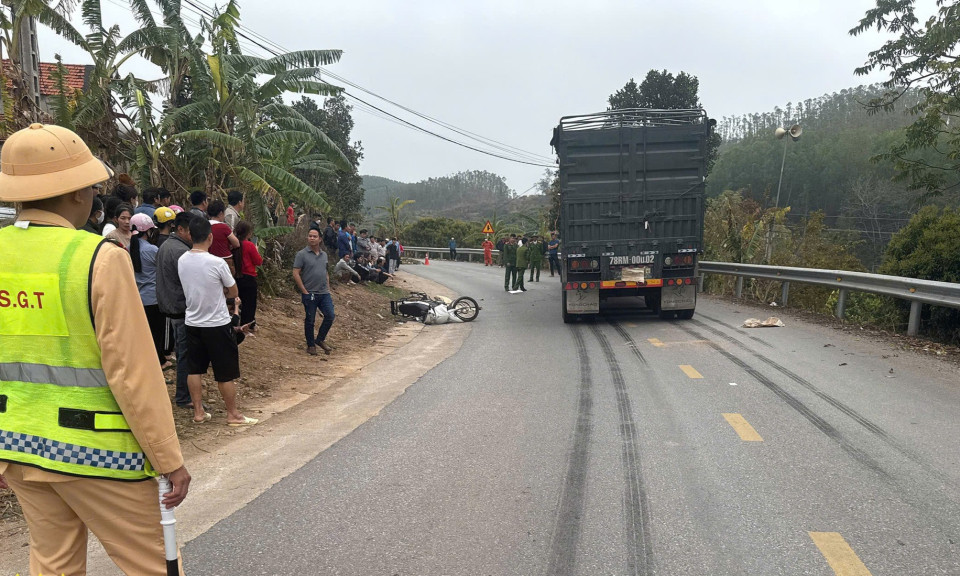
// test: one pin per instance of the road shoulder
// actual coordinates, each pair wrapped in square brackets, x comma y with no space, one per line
[230,471]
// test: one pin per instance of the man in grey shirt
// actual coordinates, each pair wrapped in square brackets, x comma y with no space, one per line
[310,275]
[170,297]
[232,214]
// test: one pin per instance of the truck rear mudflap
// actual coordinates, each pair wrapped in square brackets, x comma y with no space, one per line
[582,300]
[678,297]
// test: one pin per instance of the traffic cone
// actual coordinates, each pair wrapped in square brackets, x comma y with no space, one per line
[426,261]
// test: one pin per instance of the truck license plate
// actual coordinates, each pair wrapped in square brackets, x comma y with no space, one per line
[634,259]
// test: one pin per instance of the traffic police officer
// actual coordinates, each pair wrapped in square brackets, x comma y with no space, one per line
[85,420]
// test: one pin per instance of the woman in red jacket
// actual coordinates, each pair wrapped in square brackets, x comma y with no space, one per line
[247,282]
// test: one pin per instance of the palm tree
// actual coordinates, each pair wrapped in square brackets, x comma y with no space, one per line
[395,219]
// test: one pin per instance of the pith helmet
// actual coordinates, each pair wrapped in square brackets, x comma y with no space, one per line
[44,161]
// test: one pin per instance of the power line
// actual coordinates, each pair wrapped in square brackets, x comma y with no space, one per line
[528,157]
[412,125]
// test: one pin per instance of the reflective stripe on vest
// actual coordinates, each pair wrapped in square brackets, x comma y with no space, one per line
[70,453]
[58,412]
[58,375]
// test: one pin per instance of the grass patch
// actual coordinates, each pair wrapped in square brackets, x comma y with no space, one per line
[391,292]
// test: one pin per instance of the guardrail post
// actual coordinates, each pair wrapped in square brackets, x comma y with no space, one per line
[841,303]
[700,283]
[739,288]
[784,293]
[913,326]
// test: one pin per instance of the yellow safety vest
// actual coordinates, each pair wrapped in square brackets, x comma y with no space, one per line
[56,410]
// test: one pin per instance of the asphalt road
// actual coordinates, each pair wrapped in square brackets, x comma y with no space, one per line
[627,445]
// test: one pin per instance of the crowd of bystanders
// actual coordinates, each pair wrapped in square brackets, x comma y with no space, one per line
[196,272]
[197,275]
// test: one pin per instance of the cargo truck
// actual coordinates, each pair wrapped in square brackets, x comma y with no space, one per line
[631,208]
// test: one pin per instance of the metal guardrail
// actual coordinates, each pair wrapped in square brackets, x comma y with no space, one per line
[444,253]
[918,292]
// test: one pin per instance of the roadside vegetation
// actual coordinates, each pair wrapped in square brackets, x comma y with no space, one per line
[210,117]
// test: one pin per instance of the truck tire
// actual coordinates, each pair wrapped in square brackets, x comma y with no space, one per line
[567,317]
[652,301]
[685,314]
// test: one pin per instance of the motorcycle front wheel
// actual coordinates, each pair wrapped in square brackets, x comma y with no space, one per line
[466,308]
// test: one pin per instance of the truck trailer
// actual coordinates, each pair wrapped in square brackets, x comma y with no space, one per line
[631,208]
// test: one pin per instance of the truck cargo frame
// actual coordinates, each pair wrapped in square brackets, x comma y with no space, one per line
[631,207]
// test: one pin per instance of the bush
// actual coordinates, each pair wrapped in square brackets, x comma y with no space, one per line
[928,248]
[438,231]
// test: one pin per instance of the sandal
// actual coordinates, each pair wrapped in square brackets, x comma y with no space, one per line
[206,417]
[247,421]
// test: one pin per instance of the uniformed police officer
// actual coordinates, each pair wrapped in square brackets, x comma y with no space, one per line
[523,261]
[85,420]
[509,255]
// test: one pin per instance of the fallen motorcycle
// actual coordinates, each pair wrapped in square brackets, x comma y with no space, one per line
[422,307]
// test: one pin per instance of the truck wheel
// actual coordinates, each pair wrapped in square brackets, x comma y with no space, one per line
[685,314]
[567,317]
[652,301]
[666,314]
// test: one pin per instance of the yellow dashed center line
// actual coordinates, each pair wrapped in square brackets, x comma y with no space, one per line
[743,428]
[690,371]
[840,556]
[656,342]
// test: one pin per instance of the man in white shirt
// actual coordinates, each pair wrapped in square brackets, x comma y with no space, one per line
[206,279]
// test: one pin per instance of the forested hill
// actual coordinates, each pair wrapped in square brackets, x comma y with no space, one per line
[829,167]
[465,195]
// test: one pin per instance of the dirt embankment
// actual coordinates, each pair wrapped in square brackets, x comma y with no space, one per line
[277,373]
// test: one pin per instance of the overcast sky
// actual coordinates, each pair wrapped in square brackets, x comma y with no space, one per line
[508,70]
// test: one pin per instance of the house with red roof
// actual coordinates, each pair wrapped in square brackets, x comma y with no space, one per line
[76,79]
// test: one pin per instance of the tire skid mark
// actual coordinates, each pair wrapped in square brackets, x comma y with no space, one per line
[732,327]
[859,455]
[629,341]
[566,532]
[637,513]
[729,564]
[860,419]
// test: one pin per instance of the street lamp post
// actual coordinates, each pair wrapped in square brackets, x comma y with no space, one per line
[795,131]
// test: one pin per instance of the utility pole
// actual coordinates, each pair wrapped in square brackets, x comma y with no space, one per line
[794,132]
[29,58]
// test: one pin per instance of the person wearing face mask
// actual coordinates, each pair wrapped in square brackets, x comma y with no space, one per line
[92,225]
